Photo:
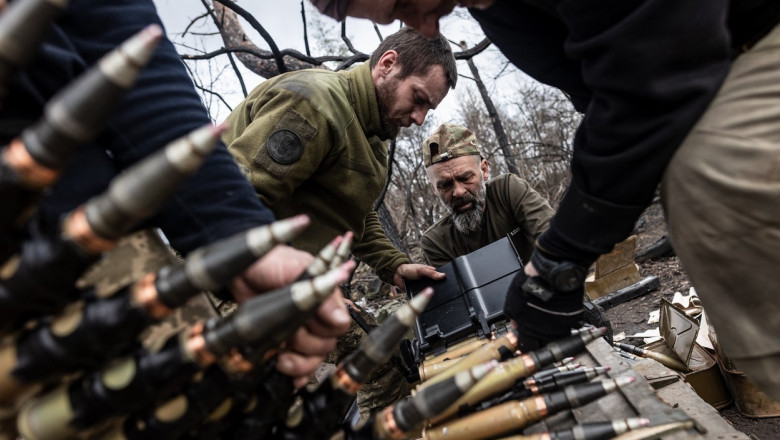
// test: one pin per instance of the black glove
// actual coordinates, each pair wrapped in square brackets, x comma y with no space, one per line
[548,306]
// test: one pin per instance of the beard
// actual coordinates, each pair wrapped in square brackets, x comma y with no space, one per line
[385,99]
[468,221]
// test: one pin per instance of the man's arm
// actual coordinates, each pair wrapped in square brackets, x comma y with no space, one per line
[161,107]
[640,109]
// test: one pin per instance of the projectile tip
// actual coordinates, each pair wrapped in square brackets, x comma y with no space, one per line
[348,266]
[624,380]
[141,46]
[421,300]
[152,33]
[218,129]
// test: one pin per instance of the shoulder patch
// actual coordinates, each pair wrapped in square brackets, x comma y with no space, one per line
[285,146]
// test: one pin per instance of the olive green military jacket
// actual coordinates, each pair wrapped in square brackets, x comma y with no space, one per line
[512,207]
[311,142]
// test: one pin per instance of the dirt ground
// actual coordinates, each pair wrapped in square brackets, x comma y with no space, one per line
[631,317]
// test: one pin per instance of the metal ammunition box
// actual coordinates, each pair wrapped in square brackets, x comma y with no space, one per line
[469,301]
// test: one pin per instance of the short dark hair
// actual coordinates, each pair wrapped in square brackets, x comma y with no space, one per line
[416,54]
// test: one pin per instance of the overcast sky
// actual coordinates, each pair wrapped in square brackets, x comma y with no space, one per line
[282,20]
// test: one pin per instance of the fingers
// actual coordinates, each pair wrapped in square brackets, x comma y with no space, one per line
[332,318]
[279,267]
[430,272]
[300,368]
[241,290]
[530,270]
[311,343]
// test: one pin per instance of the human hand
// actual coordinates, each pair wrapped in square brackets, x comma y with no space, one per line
[540,321]
[413,271]
[307,348]
[309,345]
[278,268]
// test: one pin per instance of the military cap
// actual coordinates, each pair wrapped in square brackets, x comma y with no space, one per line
[447,142]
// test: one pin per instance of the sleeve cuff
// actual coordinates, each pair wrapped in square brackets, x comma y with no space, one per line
[586,227]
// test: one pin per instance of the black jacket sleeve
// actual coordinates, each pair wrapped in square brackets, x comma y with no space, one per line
[161,107]
[649,69]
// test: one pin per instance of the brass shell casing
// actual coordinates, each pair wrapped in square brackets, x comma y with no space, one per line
[488,352]
[499,379]
[47,417]
[506,417]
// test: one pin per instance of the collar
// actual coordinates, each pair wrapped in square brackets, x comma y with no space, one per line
[365,103]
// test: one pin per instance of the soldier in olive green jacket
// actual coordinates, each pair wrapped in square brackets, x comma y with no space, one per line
[313,142]
[480,213]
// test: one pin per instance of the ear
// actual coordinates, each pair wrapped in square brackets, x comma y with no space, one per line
[385,64]
[485,169]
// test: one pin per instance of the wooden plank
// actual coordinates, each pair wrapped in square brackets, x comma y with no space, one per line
[675,402]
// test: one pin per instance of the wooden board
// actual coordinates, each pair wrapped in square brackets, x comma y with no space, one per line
[674,402]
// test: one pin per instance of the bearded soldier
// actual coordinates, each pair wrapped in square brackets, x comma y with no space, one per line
[481,211]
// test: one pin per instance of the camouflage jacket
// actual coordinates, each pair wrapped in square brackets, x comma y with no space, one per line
[311,142]
[512,207]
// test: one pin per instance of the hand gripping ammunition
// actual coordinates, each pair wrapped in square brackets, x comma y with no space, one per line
[273,391]
[665,360]
[186,411]
[264,321]
[317,413]
[51,262]
[132,383]
[588,431]
[23,25]
[504,376]
[34,160]
[93,331]
[516,415]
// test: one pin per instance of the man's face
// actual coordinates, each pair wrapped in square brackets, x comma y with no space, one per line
[460,185]
[406,101]
[423,15]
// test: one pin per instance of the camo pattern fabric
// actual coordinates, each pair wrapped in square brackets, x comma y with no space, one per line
[134,256]
[447,142]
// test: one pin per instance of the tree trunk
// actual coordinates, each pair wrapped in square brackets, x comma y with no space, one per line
[498,127]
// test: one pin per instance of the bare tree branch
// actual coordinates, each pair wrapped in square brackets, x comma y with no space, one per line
[378,34]
[257,60]
[466,54]
[346,39]
[305,31]
[263,55]
[240,77]
[193,21]
[259,28]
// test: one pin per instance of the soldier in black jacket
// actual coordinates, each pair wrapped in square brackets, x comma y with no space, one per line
[683,93]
